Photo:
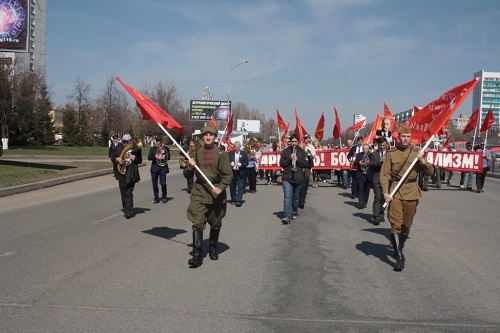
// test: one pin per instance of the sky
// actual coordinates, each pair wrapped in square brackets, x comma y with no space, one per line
[313,55]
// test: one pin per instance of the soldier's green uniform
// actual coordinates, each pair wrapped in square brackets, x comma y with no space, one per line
[205,206]
[404,203]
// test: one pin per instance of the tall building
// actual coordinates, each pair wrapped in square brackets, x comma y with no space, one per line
[23,37]
[486,95]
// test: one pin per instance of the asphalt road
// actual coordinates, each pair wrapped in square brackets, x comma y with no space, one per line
[70,262]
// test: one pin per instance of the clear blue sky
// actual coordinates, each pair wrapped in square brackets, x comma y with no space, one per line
[312,54]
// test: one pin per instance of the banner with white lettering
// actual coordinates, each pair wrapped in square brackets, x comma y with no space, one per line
[324,160]
[456,161]
[337,159]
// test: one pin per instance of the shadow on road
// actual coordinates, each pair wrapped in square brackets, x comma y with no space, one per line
[36,165]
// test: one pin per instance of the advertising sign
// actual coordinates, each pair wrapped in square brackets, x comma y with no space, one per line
[202,110]
[250,126]
[14,20]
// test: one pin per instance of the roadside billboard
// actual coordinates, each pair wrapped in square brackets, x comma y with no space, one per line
[202,110]
[250,126]
[14,22]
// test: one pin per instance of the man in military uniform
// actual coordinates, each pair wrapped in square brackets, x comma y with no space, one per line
[403,205]
[207,204]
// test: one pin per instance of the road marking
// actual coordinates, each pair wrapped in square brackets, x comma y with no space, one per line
[107,218]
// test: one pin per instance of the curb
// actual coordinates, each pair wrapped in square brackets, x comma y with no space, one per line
[53,182]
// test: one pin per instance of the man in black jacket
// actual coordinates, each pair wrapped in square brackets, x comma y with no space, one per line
[293,161]
[159,157]
[129,162]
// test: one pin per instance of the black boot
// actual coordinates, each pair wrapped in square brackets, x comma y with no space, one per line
[398,255]
[197,258]
[212,247]
[403,241]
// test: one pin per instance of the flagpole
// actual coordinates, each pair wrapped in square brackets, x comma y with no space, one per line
[407,172]
[187,155]
[475,129]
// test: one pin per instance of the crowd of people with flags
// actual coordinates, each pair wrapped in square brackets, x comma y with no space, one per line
[391,160]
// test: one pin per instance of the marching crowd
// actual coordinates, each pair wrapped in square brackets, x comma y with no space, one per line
[210,170]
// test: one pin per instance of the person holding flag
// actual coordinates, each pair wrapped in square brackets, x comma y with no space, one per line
[403,204]
[208,205]
[481,176]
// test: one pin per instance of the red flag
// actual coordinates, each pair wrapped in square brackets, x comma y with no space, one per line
[388,114]
[472,122]
[435,115]
[284,135]
[281,122]
[336,129]
[152,111]
[357,126]
[376,124]
[488,121]
[447,142]
[320,128]
[415,109]
[213,122]
[299,129]
[229,128]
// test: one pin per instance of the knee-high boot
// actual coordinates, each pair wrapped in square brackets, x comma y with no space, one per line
[398,255]
[197,258]
[212,248]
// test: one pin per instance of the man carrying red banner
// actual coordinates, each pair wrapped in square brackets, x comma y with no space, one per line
[403,205]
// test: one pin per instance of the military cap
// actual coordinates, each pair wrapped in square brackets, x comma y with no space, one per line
[404,130]
[209,129]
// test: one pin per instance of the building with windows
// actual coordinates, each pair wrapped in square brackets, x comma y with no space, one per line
[486,95]
[23,41]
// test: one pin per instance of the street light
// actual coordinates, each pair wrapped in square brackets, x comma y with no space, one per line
[229,76]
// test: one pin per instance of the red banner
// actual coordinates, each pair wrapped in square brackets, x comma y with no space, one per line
[325,160]
[337,159]
[456,161]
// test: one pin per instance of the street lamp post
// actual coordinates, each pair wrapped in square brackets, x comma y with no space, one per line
[229,76]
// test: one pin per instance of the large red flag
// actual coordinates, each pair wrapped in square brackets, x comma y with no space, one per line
[357,126]
[435,115]
[299,129]
[388,114]
[472,123]
[152,111]
[376,125]
[229,128]
[336,129]
[488,121]
[213,122]
[281,122]
[320,128]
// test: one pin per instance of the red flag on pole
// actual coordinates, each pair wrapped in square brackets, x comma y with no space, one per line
[447,142]
[376,125]
[320,128]
[435,115]
[357,126]
[284,135]
[213,122]
[229,128]
[299,129]
[472,122]
[488,121]
[281,122]
[336,129]
[152,111]
[388,114]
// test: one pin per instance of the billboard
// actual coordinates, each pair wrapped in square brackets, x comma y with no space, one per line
[14,21]
[251,126]
[203,110]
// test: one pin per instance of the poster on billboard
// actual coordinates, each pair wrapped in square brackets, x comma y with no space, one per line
[203,110]
[250,126]
[14,20]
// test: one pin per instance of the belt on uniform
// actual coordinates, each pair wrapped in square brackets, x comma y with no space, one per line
[413,180]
